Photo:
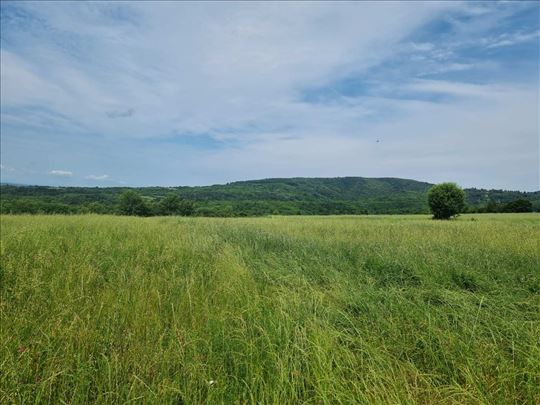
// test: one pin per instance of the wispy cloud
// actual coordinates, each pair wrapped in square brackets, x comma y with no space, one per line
[188,69]
[201,93]
[510,39]
[97,178]
[456,88]
[61,173]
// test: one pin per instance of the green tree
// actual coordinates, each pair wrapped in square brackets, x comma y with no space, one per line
[187,208]
[492,206]
[169,205]
[519,205]
[131,203]
[95,208]
[174,205]
[446,200]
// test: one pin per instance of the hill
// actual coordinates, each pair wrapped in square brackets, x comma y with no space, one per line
[287,196]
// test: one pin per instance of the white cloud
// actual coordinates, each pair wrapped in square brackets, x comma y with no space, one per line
[186,68]
[510,39]
[456,88]
[61,173]
[128,88]
[422,46]
[466,141]
[97,178]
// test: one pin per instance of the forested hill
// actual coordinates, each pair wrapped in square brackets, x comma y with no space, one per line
[344,195]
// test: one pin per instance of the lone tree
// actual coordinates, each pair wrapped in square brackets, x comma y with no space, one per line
[131,203]
[446,200]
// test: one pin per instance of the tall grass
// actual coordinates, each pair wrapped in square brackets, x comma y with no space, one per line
[281,310]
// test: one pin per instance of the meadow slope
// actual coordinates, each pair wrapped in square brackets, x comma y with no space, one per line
[275,310]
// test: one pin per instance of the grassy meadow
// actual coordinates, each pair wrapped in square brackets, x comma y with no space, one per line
[275,310]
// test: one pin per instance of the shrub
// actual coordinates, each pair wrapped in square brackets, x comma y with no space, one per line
[131,203]
[519,205]
[174,205]
[446,200]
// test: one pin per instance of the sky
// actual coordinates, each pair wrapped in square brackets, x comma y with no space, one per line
[178,93]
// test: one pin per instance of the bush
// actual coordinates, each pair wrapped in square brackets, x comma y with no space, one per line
[446,200]
[131,203]
[519,205]
[174,205]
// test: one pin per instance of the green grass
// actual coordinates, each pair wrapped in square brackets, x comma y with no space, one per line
[281,310]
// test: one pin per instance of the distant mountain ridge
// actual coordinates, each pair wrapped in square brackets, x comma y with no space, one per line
[297,195]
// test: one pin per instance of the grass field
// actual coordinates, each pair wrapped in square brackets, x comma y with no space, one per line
[280,310]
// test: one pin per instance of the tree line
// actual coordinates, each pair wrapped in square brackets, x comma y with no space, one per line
[518,205]
[447,200]
[128,202]
[296,196]
[131,202]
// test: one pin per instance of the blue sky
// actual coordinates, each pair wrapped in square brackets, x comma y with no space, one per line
[107,94]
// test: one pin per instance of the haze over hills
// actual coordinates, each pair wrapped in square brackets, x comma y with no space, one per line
[289,196]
